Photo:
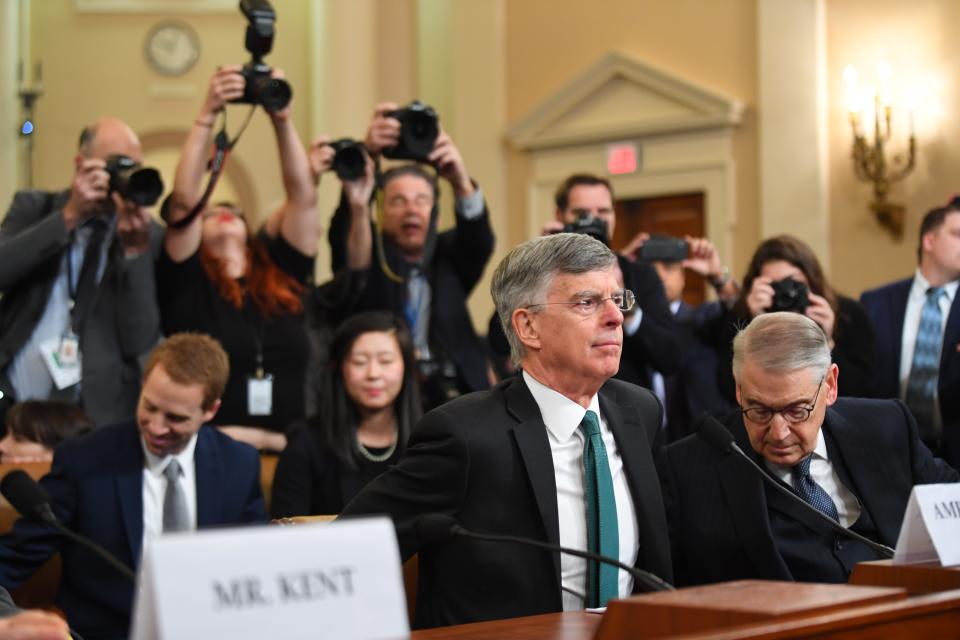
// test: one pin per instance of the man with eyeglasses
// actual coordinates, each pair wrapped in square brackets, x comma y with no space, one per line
[855,460]
[560,454]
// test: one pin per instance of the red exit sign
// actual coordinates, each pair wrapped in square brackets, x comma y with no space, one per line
[623,157]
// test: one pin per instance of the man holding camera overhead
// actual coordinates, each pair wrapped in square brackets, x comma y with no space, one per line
[416,272]
[78,304]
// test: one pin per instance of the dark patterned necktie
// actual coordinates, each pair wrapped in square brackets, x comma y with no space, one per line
[809,490]
[925,366]
[602,530]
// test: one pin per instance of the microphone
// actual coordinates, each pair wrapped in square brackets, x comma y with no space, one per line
[432,528]
[33,502]
[714,433]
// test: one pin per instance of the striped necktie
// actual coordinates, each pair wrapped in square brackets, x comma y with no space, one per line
[925,367]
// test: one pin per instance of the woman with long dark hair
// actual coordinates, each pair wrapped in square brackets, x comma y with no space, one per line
[843,320]
[218,277]
[369,404]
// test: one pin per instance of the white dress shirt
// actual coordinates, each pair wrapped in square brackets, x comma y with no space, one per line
[562,418]
[823,473]
[911,325]
[155,487]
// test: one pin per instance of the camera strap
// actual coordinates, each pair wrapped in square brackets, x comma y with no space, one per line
[222,146]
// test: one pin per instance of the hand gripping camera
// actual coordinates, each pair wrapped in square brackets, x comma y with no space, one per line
[273,94]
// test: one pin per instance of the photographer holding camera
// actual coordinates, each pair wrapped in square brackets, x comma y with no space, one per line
[785,275]
[422,275]
[217,276]
[77,295]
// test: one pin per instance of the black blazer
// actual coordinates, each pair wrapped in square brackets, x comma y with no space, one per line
[658,343]
[718,510]
[485,459]
[123,325]
[887,306]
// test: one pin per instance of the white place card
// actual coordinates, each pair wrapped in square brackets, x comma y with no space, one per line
[931,526]
[340,580]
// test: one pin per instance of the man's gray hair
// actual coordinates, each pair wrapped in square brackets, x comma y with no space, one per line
[783,341]
[524,276]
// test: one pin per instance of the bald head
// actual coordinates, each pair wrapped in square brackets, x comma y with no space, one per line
[107,137]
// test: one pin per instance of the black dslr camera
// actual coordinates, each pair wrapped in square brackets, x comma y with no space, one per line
[349,160]
[790,295]
[273,94]
[141,185]
[662,248]
[419,128]
[589,225]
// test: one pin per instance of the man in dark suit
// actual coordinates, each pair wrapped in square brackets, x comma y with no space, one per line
[76,284]
[926,378]
[856,460]
[132,481]
[693,390]
[512,460]
[651,341]
[420,274]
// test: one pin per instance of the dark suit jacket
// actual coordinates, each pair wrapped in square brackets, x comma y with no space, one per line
[658,343]
[718,510]
[485,460]
[887,306]
[96,486]
[457,259]
[123,324]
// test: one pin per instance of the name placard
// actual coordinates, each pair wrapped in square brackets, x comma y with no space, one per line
[931,526]
[337,580]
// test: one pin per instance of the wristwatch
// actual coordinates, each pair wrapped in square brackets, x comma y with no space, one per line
[721,281]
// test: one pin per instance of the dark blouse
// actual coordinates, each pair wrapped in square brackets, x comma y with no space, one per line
[310,480]
[189,301]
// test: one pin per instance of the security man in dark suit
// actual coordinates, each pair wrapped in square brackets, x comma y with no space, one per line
[855,460]
[559,453]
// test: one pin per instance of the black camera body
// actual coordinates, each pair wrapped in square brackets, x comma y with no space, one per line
[790,295]
[349,160]
[589,225]
[273,94]
[661,248]
[419,128]
[141,185]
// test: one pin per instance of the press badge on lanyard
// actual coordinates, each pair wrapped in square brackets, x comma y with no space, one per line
[260,391]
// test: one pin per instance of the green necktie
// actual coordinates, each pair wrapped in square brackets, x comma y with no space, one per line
[602,535]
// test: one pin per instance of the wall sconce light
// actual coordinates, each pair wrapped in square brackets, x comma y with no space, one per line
[870,163]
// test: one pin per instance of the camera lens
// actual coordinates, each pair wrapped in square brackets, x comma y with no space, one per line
[348,162]
[272,93]
[144,187]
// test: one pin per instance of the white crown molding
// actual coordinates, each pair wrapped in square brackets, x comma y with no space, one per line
[683,106]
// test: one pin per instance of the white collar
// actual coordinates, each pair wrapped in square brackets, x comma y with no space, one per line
[560,414]
[156,465]
[920,286]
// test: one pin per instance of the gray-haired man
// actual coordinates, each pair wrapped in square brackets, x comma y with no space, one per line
[513,460]
[855,460]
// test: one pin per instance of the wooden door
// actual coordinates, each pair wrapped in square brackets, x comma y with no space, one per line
[675,215]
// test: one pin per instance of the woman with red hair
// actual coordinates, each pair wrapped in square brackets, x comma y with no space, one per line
[246,290]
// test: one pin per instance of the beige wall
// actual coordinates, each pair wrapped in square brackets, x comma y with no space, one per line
[918,39]
[710,43]
[93,64]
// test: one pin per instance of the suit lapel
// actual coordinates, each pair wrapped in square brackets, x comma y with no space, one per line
[900,296]
[863,464]
[129,481]
[635,451]
[531,437]
[951,336]
[208,467]
[743,492]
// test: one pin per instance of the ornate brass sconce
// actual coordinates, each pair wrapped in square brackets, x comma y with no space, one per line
[869,159]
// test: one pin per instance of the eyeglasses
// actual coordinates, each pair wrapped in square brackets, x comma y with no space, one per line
[794,414]
[623,299]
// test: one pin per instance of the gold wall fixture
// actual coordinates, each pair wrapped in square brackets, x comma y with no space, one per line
[870,162]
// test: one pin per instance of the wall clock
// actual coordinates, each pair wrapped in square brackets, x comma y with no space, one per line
[172,47]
